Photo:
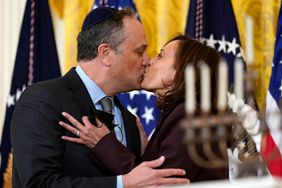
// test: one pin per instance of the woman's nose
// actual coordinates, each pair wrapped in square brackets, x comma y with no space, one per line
[150,62]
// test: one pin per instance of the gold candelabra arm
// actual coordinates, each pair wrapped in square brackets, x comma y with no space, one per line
[206,138]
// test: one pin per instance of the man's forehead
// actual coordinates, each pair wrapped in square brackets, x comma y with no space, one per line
[131,24]
[135,40]
[134,33]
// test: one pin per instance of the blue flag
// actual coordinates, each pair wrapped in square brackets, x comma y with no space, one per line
[140,103]
[36,60]
[275,85]
[118,4]
[213,23]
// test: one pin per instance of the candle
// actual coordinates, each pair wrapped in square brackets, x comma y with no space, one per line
[249,38]
[239,79]
[205,87]
[190,89]
[222,86]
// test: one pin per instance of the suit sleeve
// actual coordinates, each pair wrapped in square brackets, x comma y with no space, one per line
[37,145]
[121,160]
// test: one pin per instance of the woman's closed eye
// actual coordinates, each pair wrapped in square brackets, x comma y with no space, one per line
[159,55]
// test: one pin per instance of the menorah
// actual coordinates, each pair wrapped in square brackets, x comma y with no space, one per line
[209,135]
[205,132]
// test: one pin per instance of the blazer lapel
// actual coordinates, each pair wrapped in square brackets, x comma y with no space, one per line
[158,126]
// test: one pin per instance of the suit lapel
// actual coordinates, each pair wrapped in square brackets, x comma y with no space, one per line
[83,102]
[80,95]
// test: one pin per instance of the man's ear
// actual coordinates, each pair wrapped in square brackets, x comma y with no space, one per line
[104,53]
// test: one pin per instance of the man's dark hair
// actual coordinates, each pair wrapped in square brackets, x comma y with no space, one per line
[109,31]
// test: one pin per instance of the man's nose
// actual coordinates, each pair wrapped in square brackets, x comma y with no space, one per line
[146,60]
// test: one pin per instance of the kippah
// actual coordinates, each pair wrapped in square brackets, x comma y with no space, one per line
[96,16]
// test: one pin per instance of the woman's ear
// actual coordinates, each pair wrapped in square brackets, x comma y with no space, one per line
[173,75]
[104,53]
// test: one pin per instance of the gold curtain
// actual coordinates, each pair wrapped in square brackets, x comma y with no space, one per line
[73,12]
[7,176]
[162,19]
[265,15]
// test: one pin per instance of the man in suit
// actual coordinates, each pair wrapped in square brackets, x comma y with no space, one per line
[111,59]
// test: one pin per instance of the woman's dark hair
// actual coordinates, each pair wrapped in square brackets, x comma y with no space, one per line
[190,52]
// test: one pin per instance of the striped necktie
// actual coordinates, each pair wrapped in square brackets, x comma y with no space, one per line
[107,105]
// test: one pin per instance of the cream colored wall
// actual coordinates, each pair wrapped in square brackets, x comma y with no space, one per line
[58,26]
[11,15]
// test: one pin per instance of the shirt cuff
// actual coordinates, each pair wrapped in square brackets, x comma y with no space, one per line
[119,181]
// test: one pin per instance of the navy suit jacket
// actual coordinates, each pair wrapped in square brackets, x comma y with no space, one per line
[41,157]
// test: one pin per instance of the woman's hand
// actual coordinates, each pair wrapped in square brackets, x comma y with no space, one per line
[87,134]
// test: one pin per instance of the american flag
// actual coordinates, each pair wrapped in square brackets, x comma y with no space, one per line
[141,103]
[273,110]
[36,60]
[213,23]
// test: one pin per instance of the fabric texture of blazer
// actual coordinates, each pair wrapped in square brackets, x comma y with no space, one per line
[41,157]
[167,140]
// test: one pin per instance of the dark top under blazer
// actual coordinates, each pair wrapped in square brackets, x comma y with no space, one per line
[167,140]
[41,157]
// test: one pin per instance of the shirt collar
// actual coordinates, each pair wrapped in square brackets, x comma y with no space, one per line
[95,92]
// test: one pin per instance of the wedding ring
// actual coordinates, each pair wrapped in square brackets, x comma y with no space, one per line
[77,133]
